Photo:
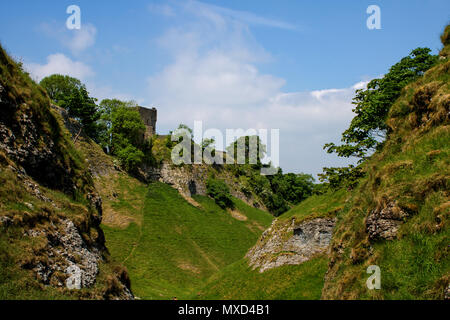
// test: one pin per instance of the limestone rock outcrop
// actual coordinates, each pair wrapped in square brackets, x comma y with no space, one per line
[383,222]
[291,243]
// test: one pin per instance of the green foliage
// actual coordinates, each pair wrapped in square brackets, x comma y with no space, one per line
[185,127]
[208,143]
[247,150]
[275,203]
[130,157]
[70,94]
[175,247]
[123,133]
[277,192]
[292,187]
[220,192]
[336,178]
[127,127]
[239,281]
[368,129]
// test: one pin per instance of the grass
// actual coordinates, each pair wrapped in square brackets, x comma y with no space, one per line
[412,171]
[18,253]
[239,282]
[177,246]
[326,205]
[62,178]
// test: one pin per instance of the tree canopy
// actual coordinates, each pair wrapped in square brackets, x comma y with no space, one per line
[247,150]
[368,128]
[122,132]
[69,93]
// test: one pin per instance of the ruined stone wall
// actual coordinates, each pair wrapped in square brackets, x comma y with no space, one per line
[149,118]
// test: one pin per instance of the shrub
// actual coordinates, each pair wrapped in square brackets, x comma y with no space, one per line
[336,178]
[219,191]
[130,157]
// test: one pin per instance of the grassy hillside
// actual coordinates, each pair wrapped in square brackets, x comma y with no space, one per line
[44,183]
[408,179]
[169,245]
[239,282]
[412,172]
[290,282]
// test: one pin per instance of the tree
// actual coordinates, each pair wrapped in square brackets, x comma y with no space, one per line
[70,94]
[115,111]
[368,128]
[122,132]
[293,187]
[219,191]
[127,128]
[208,143]
[339,177]
[247,150]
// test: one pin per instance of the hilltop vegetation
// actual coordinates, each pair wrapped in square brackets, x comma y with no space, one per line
[393,212]
[405,194]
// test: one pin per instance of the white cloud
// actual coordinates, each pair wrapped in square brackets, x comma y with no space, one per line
[80,39]
[107,92]
[219,14]
[211,79]
[76,40]
[60,64]
[214,78]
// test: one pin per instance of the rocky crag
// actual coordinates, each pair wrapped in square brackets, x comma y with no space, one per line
[291,243]
[50,211]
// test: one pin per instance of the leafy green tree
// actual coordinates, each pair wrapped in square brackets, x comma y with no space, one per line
[368,128]
[247,150]
[208,143]
[127,132]
[122,133]
[130,157]
[185,127]
[291,186]
[335,178]
[126,122]
[275,203]
[219,191]
[70,94]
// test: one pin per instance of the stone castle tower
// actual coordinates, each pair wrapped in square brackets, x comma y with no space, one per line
[148,116]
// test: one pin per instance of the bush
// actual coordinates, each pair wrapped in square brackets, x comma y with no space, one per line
[336,178]
[130,157]
[219,191]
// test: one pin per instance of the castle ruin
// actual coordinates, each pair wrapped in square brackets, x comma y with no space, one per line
[148,116]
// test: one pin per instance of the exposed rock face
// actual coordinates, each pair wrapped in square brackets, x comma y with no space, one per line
[31,147]
[64,243]
[291,243]
[191,180]
[383,223]
[67,254]
[188,181]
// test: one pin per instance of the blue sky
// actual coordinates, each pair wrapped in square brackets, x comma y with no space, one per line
[290,65]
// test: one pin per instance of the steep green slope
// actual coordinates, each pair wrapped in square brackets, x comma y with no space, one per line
[240,282]
[397,217]
[49,211]
[290,282]
[170,246]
